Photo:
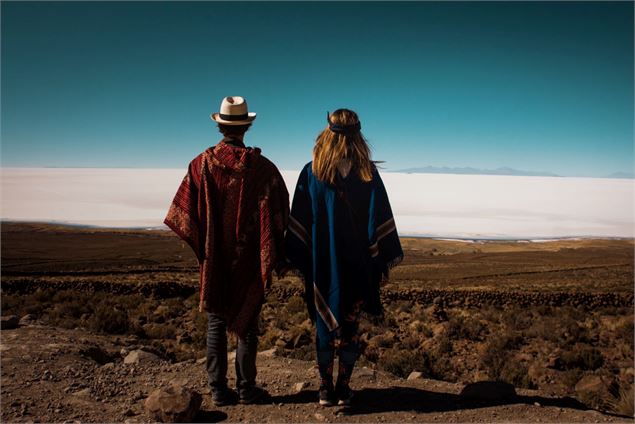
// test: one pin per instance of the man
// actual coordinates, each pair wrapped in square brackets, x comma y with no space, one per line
[232,208]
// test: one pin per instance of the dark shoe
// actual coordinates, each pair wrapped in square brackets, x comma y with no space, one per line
[253,394]
[344,394]
[327,395]
[224,397]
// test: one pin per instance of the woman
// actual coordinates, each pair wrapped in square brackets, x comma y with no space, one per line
[342,238]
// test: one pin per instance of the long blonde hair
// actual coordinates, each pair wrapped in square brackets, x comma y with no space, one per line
[332,147]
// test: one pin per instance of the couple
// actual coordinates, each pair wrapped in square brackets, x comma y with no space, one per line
[232,208]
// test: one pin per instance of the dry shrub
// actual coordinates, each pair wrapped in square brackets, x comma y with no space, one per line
[518,319]
[199,333]
[108,318]
[402,362]
[623,404]
[626,331]
[497,361]
[160,331]
[584,359]
[295,305]
[410,342]
[461,328]
[444,345]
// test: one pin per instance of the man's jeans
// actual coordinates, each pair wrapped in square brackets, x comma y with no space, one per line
[217,354]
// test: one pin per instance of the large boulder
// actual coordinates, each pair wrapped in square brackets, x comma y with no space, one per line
[593,389]
[176,404]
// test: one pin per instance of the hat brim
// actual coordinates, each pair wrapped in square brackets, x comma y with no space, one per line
[250,117]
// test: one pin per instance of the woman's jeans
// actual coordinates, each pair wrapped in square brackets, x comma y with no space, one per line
[217,354]
[344,341]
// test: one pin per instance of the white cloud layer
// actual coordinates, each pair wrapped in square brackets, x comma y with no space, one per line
[436,205]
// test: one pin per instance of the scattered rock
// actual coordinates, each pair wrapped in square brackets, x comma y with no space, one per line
[27,319]
[184,338]
[201,360]
[84,393]
[176,404]
[302,339]
[138,356]
[319,416]
[298,387]
[9,322]
[129,412]
[365,373]
[97,354]
[489,391]
[415,375]
[555,362]
[269,353]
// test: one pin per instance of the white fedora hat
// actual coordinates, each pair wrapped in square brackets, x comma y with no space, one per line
[233,111]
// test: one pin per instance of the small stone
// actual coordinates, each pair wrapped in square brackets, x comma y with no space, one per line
[27,319]
[415,375]
[319,416]
[270,353]
[201,360]
[82,393]
[364,373]
[140,356]
[537,404]
[298,387]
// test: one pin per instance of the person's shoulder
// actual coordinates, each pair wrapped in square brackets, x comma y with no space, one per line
[265,163]
[196,162]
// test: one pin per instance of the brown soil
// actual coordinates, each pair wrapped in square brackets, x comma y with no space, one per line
[48,375]
[459,312]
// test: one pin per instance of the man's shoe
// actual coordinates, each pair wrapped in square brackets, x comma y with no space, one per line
[327,395]
[344,394]
[224,397]
[253,394]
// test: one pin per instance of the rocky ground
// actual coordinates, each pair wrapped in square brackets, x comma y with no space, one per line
[554,320]
[51,374]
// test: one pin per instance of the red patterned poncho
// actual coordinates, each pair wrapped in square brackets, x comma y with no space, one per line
[232,208]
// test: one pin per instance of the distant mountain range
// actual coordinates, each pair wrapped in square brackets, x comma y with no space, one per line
[498,171]
[474,171]
[621,175]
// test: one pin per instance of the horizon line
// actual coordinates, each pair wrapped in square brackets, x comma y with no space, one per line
[397,171]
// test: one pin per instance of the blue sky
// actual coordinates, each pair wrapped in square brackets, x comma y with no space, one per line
[534,86]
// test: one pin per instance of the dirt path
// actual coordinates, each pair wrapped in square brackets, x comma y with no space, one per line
[54,375]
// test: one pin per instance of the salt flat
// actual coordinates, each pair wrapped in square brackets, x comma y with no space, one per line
[431,205]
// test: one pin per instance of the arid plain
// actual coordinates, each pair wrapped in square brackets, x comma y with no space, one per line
[554,319]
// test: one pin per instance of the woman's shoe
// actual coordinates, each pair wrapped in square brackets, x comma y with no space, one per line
[344,394]
[327,395]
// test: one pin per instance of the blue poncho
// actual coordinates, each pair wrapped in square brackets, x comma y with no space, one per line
[343,240]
